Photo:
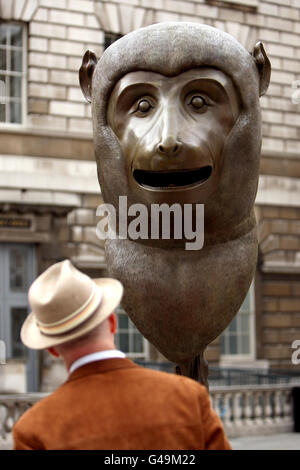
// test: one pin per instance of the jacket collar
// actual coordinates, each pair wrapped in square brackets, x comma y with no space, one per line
[102,366]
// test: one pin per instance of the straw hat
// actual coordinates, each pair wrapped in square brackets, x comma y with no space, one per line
[67,304]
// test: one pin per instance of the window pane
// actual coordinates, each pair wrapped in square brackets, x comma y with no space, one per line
[223,349]
[124,343]
[15,86]
[245,344]
[236,339]
[3,31]
[2,99]
[3,87]
[109,38]
[15,33]
[2,352]
[246,304]
[233,325]
[11,63]
[16,61]
[245,323]
[128,338]
[18,315]
[15,112]
[2,112]
[3,64]
[233,344]
[123,321]
[18,270]
[137,343]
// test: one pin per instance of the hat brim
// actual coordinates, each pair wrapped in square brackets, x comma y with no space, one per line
[33,338]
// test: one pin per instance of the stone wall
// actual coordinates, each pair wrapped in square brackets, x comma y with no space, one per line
[59,126]
[278,312]
[60,32]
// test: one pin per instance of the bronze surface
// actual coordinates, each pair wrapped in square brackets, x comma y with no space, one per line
[172,132]
[176,118]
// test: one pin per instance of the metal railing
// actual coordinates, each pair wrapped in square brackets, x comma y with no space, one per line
[222,376]
[233,376]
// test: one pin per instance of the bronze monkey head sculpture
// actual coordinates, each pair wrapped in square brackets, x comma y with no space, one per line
[176,119]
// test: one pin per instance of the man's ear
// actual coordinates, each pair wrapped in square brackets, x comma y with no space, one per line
[89,62]
[263,66]
[113,323]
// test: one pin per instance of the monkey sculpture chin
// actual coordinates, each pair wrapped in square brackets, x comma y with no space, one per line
[179,300]
[176,120]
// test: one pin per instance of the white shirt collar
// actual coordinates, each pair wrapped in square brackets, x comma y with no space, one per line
[96,356]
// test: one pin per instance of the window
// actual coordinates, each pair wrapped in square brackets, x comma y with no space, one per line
[16,275]
[128,338]
[109,38]
[238,338]
[12,72]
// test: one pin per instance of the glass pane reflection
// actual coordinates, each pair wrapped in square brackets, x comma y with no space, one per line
[233,344]
[246,304]
[18,270]
[15,85]
[15,35]
[16,61]
[124,342]
[15,112]
[245,344]
[137,343]
[233,325]
[18,315]
[3,64]
[3,34]
[2,113]
[123,322]
[245,319]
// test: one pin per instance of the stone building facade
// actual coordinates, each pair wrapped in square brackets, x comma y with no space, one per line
[48,184]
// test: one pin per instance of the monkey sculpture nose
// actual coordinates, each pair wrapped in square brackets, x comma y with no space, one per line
[169,146]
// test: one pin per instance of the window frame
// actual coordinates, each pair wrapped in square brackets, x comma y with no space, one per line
[251,356]
[131,330]
[8,299]
[23,75]
[111,38]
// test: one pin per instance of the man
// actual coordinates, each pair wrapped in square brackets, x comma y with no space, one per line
[108,402]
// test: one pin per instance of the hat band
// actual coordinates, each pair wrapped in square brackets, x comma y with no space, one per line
[75,319]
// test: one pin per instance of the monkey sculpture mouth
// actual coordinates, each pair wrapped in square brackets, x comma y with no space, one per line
[172,179]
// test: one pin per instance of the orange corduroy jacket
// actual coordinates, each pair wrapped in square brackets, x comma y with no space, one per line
[115,404]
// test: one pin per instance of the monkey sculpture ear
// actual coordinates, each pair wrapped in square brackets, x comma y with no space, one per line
[263,65]
[86,71]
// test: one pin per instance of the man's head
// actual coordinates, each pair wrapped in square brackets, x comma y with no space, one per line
[101,338]
[69,308]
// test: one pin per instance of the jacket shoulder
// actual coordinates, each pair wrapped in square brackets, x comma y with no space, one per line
[170,378]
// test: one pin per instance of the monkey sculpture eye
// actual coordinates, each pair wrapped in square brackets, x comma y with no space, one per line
[197,102]
[144,106]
